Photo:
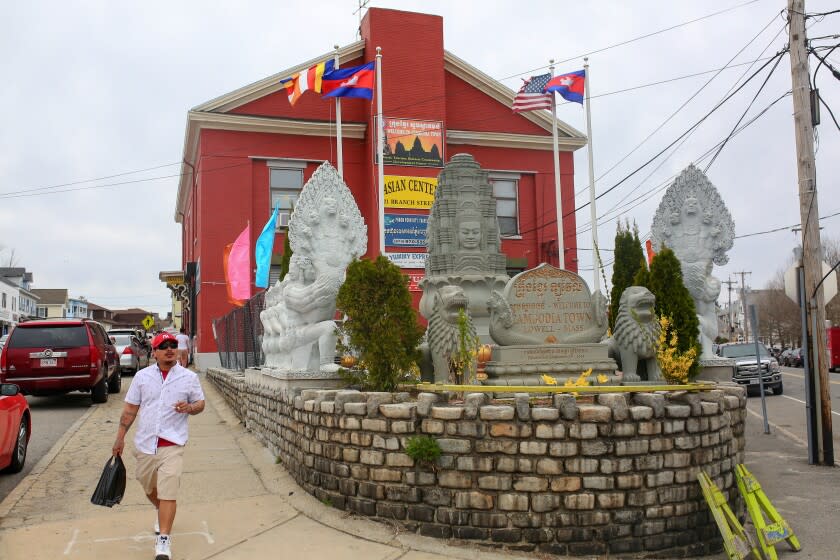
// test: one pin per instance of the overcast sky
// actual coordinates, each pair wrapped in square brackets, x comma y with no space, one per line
[94,92]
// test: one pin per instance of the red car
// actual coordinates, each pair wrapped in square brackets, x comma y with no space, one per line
[61,355]
[15,428]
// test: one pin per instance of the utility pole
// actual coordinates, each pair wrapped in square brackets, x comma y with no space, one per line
[729,308]
[744,304]
[809,215]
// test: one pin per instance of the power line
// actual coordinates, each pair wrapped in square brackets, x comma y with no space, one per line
[639,38]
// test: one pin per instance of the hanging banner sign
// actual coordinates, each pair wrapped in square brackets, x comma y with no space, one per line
[409,192]
[408,260]
[405,230]
[413,143]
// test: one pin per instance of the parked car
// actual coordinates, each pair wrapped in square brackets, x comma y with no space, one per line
[747,366]
[15,428]
[794,358]
[57,356]
[132,353]
[145,343]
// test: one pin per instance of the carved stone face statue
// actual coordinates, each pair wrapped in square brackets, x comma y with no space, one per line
[469,235]
[330,205]
[690,206]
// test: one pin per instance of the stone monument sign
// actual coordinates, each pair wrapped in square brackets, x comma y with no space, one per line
[326,232]
[546,321]
[546,305]
[693,221]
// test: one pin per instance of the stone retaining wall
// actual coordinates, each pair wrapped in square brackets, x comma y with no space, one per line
[615,476]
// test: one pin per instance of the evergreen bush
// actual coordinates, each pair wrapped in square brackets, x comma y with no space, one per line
[381,326]
[674,301]
[286,258]
[629,259]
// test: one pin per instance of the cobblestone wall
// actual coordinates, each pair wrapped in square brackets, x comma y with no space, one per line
[613,476]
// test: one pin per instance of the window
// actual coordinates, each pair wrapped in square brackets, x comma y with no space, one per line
[505,189]
[285,180]
[13,304]
[4,301]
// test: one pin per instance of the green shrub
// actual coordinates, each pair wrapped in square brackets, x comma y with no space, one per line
[423,449]
[629,261]
[674,301]
[381,326]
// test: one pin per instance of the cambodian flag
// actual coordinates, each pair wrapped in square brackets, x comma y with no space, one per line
[355,81]
[569,86]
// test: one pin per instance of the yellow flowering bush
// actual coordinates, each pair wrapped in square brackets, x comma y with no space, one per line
[673,364]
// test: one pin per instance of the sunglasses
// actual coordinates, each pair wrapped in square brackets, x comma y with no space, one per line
[168,345]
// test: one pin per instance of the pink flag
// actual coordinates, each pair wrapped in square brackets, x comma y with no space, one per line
[237,263]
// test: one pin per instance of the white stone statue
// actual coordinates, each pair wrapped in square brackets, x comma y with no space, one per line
[693,221]
[326,232]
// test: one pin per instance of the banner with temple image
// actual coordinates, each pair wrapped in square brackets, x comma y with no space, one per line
[413,143]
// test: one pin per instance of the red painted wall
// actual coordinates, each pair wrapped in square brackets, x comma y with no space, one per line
[231,189]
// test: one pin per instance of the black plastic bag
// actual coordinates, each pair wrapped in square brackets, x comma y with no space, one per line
[111,485]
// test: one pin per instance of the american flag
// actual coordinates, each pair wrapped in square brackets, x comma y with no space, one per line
[531,97]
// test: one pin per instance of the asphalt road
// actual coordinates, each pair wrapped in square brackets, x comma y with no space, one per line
[51,417]
[787,413]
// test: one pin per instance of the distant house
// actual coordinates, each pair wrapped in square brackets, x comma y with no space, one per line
[102,315]
[77,308]
[27,301]
[134,318]
[53,303]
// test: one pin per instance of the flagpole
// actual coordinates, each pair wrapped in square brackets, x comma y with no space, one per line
[380,125]
[338,148]
[558,197]
[596,263]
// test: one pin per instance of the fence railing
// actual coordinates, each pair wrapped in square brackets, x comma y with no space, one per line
[239,335]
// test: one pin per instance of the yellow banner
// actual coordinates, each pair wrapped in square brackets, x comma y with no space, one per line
[409,192]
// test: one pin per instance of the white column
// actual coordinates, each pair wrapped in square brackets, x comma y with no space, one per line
[596,259]
[339,154]
[558,197]
[380,133]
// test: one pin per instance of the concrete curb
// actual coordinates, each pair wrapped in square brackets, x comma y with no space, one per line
[24,485]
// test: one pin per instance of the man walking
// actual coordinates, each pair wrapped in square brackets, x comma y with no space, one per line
[183,348]
[163,394]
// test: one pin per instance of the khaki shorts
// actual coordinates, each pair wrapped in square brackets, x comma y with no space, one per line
[161,471]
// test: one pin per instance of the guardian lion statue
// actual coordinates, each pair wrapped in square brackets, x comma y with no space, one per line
[636,335]
[442,333]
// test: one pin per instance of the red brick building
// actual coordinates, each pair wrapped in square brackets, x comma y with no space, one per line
[250,147]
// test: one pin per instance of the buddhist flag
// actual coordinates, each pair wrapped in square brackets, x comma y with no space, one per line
[237,264]
[310,79]
[263,249]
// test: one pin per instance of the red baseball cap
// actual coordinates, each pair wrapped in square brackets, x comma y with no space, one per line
[162,337]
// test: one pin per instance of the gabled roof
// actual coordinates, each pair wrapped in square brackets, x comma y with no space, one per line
[213,114]
[51,296]
[15,272]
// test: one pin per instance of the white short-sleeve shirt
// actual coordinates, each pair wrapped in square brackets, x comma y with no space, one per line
[157,399]
[183,341]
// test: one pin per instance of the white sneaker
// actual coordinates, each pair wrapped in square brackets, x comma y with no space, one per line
[162,548]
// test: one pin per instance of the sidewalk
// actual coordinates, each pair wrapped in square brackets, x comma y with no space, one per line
[236,503]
